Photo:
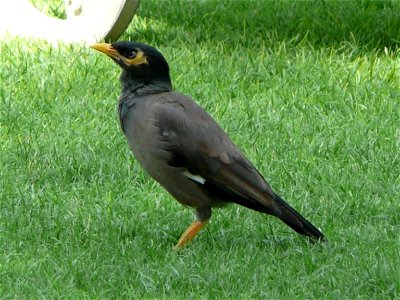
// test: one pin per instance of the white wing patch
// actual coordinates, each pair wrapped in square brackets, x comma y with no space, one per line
[196,178]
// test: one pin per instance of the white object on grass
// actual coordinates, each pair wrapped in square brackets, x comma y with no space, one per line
[88,21]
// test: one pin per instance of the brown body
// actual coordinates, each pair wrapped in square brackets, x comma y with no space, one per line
[206,149]
[184,149]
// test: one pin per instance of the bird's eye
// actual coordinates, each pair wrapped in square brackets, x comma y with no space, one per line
[131,54]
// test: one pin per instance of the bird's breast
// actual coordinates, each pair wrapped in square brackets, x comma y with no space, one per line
[138,123]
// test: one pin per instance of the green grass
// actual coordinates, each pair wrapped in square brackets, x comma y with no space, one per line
[310,92]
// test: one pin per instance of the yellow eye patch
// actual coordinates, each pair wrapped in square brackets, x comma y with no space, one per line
[108,49]
[138,60]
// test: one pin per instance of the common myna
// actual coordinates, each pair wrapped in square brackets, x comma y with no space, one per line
[182,146]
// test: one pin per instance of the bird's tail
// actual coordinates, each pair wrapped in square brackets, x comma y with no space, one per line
[296,221]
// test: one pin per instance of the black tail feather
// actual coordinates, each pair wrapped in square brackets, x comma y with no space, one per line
[297,222]
[281,210]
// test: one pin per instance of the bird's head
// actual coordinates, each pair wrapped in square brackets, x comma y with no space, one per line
[144,68]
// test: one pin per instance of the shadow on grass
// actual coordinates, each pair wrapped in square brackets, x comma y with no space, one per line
[369,25]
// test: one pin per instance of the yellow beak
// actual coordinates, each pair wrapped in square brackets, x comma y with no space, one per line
[107,49]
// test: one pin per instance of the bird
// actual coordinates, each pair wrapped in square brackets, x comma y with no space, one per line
[184,149]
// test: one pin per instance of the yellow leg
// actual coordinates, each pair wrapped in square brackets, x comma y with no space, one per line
[190,233]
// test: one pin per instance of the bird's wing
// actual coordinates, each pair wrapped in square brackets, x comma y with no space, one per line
[198,145]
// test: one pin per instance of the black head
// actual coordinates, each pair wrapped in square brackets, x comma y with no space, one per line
[143,66]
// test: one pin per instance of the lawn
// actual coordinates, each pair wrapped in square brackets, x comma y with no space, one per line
[309,90]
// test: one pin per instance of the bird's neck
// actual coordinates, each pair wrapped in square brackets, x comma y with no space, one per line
[141,87]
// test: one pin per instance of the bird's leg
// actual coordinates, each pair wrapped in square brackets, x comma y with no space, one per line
[190,233]
[202,218]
